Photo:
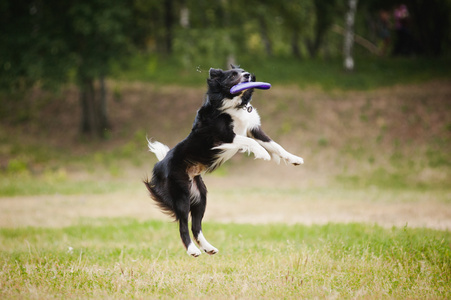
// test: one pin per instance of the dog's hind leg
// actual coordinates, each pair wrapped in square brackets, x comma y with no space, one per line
[191,249]
[197,213]
[181,211]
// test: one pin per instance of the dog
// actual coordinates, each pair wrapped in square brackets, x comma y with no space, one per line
[224,125]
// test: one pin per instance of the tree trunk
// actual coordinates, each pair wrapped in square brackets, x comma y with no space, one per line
[168,24]
[94,112]
[265,35]
[85,124]
[349,36]
[104,123]
[324,19]
[184,16]
[295,44]
[87,98]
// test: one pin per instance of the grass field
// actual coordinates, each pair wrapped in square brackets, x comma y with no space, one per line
[367,216]
[123,258]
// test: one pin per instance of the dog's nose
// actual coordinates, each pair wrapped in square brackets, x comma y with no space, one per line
[247,75]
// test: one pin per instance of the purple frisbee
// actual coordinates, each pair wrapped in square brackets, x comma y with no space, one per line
[249,85]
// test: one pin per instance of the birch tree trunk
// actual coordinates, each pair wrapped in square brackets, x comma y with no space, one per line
[349,36]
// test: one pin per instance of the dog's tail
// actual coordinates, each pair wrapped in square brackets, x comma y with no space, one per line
[160,151]
[165,206]
[158,148]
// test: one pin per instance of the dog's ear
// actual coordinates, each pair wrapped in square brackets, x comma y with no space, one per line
[234,67]
[215,73]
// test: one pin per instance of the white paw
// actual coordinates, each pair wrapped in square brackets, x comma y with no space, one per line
[295,160]
[261,153]
[193,250]
[204,245]
[210,250]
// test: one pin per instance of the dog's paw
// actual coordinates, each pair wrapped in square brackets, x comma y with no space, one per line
[299,161]
[193,250]
[205,245]
[261,153]
[294,160]
[210,250]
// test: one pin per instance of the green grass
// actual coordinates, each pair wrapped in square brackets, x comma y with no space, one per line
[56,183]
[369,73]
[122,258]
[40,169]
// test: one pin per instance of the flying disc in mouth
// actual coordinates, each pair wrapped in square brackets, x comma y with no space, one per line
[249,85]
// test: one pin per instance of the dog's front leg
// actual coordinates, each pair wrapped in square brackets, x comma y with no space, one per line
[243,144]
[277,151]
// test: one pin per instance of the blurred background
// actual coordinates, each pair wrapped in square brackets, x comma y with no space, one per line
[361,90]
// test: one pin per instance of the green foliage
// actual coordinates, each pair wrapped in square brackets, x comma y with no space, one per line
[207,46]
[118,258]
[33,48]
[55,37]
[99,34]
[51,43]
[58,39]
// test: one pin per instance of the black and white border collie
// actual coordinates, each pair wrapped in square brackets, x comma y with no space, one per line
[225,124]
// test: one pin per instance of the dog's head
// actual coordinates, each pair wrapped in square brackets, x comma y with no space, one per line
[220,82]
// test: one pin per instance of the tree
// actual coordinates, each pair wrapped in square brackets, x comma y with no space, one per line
[349,35]
[98,34]
[325,12]
[32,48]
[297,21]
[33,51]
[44,41]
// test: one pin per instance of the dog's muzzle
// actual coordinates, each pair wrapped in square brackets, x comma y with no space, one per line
[246,77]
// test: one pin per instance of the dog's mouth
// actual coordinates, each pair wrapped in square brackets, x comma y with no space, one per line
[243,78]
[247,77]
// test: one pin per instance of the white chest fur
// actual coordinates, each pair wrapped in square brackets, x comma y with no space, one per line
[243,120]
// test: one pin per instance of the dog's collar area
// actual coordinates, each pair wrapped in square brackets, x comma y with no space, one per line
[248,107]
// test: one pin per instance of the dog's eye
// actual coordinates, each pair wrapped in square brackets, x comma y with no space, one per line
[234,74]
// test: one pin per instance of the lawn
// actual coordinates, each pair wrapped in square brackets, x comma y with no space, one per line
[124,258]
[367,216]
